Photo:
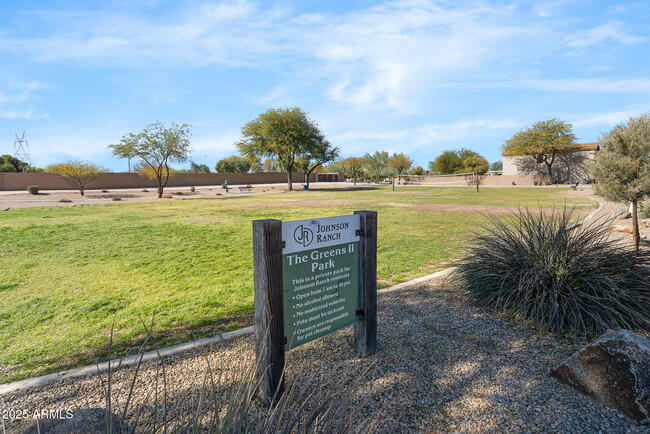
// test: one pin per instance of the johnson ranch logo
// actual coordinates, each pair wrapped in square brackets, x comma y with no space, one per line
[303,236]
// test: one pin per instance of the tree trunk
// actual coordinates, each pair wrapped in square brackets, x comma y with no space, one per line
[307,179]
[635,225]
[289,178]
[81,190]
[550,173]
[550,166]
[635,221]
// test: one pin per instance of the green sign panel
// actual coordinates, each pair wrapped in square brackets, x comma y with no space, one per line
[321,278]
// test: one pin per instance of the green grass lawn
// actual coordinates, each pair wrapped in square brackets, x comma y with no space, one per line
[66,273]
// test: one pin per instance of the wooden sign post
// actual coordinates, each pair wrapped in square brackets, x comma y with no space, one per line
[312,278]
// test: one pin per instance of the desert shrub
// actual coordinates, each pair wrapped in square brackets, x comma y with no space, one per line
[65,200]
[116,198]
[144,190]
[167,196]
[224,185]
[32,189]
[192,189]
[565,278]
[104,190]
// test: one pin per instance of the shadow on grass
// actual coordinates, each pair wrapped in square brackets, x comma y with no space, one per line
[358,188]
[7,287]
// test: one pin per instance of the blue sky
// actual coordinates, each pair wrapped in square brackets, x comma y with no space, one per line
[417,77]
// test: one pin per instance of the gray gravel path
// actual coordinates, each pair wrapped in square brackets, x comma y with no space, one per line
[442,366]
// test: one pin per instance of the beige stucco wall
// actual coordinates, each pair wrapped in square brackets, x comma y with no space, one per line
[568,167]
[509,167]
[49,181]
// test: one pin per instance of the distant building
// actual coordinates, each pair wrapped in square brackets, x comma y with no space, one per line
[568,167]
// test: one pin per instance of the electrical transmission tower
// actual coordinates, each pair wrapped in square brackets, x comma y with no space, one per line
[21,149]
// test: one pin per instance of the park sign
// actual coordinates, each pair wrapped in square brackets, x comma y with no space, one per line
[321,278]
[312,278]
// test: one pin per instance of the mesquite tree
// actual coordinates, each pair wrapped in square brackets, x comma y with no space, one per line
[543,140]
[156,147]
[280,134]
[77,173]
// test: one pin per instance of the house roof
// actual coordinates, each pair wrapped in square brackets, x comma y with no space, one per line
[587,147]
[580,147]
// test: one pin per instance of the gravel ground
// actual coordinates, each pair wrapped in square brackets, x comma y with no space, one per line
[606,212]
[442,366]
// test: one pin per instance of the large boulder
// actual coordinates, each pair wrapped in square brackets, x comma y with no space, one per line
[614,369]
[621,213]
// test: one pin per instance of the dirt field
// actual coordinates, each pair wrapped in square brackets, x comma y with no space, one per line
[22,199]
[51,198]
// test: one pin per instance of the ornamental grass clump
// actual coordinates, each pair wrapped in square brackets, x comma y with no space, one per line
[222,397]
[564,277]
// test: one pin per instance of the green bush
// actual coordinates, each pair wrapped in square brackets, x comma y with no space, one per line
[192,189]
[32,189]
[7,167]
[565,278]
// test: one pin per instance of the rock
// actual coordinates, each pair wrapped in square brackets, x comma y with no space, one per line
[645,223]
[63,421]
[614,369]
[619,228]
[621,213]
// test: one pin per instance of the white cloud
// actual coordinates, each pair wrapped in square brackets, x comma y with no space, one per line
[14,97]
[386,55]
[607,120]
[567,85]
[16,114]
[611,31]
[390,54]
[429,137]
[548,8]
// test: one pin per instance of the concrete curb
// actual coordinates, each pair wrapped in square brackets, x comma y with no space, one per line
[593,213]
[423,279]
[126,361]
[169,351]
